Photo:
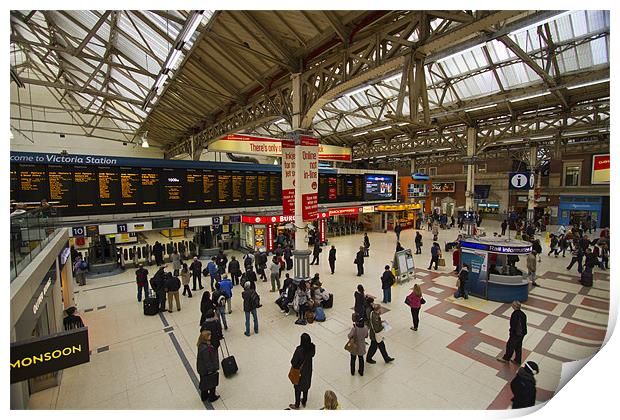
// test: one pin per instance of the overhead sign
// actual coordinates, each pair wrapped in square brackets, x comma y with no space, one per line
[288,177]
[439,187]
[92,230]
[346,210]
[308,177]
[521,181]
[420,177]
[499,249]
[266,146]
[78,231]
[600,169]
[368,209]
[41,355]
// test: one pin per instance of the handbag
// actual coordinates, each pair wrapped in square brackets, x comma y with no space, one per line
[422,301]
[351,346]
[441,262]
[295,374]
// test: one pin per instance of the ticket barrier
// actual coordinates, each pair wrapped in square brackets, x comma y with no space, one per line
[143,253]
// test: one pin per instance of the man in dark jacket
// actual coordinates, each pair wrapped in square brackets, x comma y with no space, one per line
[577,257]
[397,231]
[158,251]
[212,323]
[518,330]
[234,269]
[504,226]
[288,257]
[359,261]
[142,281]
[435,255]
[366,244]
[332,259]
[523,386]
[463,277]
[196,269]
[158,286]
[221,260]
[315,253]
[249,276]
[172,286]
[387,280]
[418,243]
[251,301]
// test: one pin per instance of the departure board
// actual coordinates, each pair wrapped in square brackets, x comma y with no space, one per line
[32,183]
[61,186]
[149,187]
[14,183]
[340,184]
[349,188]
[251,185]
[224,188]
[358,185]
[193,188]
[109,188]
[86,181]
[262,188]
[172,183]
[238,187]
[209,187]
[130,188]
[275,188]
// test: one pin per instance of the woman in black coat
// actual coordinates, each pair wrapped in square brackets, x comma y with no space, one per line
[359,307]
[207,365]
[205,304]
[302,359]
[523,386]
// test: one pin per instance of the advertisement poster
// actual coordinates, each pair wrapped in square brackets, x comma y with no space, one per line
[309,177]
[600,169]
[288,177]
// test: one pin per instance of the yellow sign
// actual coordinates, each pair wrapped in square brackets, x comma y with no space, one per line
[399,207]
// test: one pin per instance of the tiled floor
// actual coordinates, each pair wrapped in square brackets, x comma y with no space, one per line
[141,362]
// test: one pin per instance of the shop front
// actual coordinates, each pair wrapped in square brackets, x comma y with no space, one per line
[574,209]
[405,214]
[263,232]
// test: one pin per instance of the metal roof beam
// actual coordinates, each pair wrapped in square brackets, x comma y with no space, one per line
[335,23]
[92,32]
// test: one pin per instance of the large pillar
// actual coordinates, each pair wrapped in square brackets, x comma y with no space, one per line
[531,199]
[471,168]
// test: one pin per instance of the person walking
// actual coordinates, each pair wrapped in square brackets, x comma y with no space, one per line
[172,285]
[518,330]
[234,269]
[213,324]
[359,261]
[196,269]
[248,261]
[251,301]
[387,281]
[275,275]
[219,300]
[604,257]
[504,226]
[175,259]
[523,386]
[553,245]
[376,336]
[316,250]
[213,272]
[207,365]
[185,280]
[158,286]
[206,305]
[418,242]
[366,244]
[226,286]
[142,275]
[332,259]
[358,335]
[221,260]
[415,300]
[435,231]
[80,267]
[577,257]
[462,282]
[302,360]
[435,255]
[531,267]
[397,231]
[262,265]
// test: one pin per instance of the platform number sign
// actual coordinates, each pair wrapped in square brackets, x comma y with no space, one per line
[521,181]
[121,228]
[78,231]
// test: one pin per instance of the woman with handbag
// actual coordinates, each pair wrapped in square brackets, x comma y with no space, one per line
[207,365]
[415,301]
[301,370]
[357,343]
[376,336]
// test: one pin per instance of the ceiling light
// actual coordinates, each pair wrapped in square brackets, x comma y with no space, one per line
[161,81]
[280,121]
[403,123]
[360,134]
[145,142]
[460,53]
[479,108]
[596,82]
[542,22]
[193,25]
[382,128]
[512,141]
[12,137]
[173,59]
[529,97]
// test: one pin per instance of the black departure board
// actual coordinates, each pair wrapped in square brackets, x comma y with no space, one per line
[86,181]
[193,187]
[340,183]
[238,187]
[349,187]
[251,187]
[109,188]
[172,183]
[14,183]
[209,187]
[358,183]
[61,186]
[224,188]
[32,183]
[149,188]
[262,188]
[130,188]
[275,188]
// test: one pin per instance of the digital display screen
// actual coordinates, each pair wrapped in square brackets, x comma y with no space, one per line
[62,190]
[193,187]
[275,188]
[238,187]
[14,183]
[32,183]
[209,187]
[130,188]
[262,188]
[251,188]
[172,183]
[86,181]
[379,187]
[224,188]
[149,187]
[109,188]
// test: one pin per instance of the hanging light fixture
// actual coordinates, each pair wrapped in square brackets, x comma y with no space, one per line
[145,142]
[12,136]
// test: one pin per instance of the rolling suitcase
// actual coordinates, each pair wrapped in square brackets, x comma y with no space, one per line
[229,364]
[151,306]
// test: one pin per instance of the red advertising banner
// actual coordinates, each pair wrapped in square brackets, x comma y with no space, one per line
[288,177]
[322,230]
[309,177]
[264,220]
[601,169]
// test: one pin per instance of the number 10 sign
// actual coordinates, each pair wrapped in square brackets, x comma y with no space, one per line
[521,181]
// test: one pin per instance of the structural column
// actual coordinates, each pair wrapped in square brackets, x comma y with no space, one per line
[471,168]
[531,199]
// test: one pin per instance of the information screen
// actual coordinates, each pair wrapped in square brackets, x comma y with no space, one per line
[251,188]
[14,183]
[262,188]
[193,187]
[130,188]
[61,185]
[379,187]
[238,187]
[209,187]
[86,181]
[149,187]
[32,183]
[224,188]
[275,188]
[109,188]
[172,183]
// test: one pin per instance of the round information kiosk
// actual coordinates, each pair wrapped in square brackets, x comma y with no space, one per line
[493,274]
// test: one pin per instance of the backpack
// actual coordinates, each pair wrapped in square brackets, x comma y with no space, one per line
[84,265]
[221,300]
[319,314]
[255,300]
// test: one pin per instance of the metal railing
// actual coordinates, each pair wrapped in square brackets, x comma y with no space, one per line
[31,231]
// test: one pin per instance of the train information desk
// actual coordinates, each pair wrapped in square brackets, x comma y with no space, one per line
[492,271]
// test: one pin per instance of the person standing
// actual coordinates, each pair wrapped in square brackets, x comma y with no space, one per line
[158,252]
[175,259]
[206,305]
[315,253]
[251,300]
[387,281]
[234,269]
[523,386]
[158,286]
[604,257]
[359,261]
[226,286]
[172,285]
[435,255]
[262,265]
[248,261]
[196,269]
[358,333]
[397,231]
[518,330]
[399,247]
[182,250]
[275,275]
[332,259]
[553,245]
[359,307]
[418,242]
[415,300]
[80,267]
[288,257]
[435,231]
[219,300]
[366,244]
[213,272]
[213,324]
[531,267]
[504,226]
[302,296]
[250,276]
[462,282]
[185,280]
[72,321]
[207,365]
[302,360]
[376,336]
[221,260]
[142,275]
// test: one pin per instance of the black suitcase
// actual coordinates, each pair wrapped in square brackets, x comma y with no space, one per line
[229,364]
[329,302]
[151,306]
[586,279]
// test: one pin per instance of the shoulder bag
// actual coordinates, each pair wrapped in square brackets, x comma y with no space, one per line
[351,345]
[295,374]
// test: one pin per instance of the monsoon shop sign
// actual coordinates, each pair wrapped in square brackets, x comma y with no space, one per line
[41,355]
